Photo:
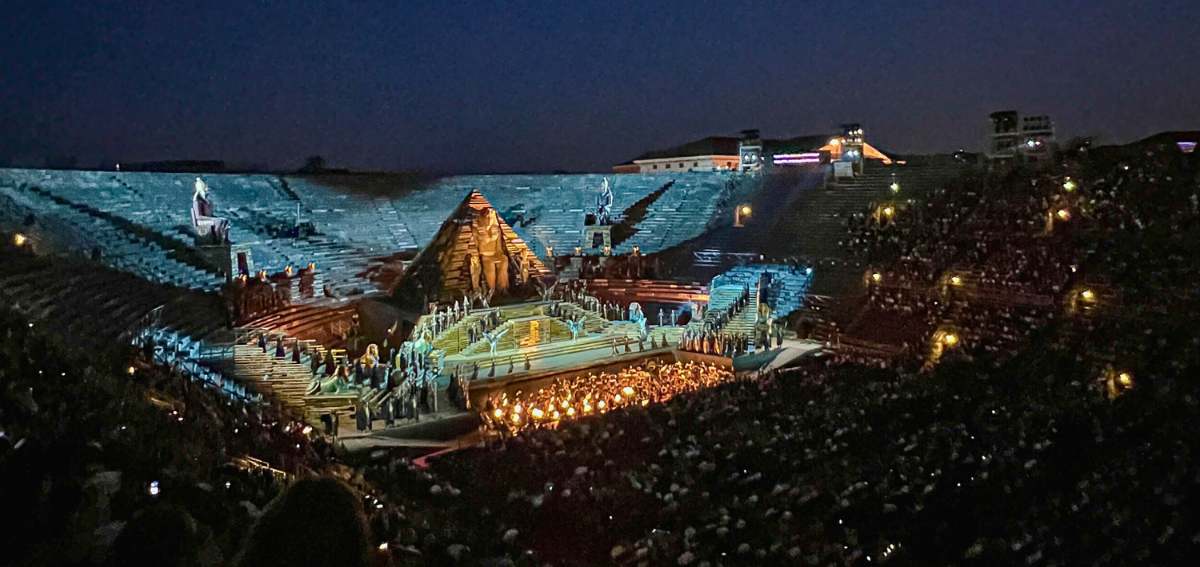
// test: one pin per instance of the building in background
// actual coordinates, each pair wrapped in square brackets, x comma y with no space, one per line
[714,153]
[750,152]
[1023,138]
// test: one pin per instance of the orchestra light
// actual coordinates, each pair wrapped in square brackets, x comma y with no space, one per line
[1087,295]
[876,277]
[1063,214]
[955,280]
[20,239]
[950,339]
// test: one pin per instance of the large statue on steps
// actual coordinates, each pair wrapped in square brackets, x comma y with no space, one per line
[207,227]
[604,203]
[489,265]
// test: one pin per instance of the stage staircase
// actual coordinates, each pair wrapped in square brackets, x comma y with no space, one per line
[745,321]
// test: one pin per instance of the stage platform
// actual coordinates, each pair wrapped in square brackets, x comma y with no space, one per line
[543,342]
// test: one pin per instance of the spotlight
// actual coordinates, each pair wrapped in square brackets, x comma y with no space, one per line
[876,277]
[20,239]
[955,280]
[1087,295]
[1063,214]
[950,339]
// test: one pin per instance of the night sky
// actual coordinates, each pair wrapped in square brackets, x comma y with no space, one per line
[458,86]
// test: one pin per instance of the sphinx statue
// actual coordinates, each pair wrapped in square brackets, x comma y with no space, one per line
[207,226]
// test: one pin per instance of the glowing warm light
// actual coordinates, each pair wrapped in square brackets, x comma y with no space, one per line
[835,141]
[889,211]
[955,280]
[876,277]
[571,398]
[131,370]
[1069,185]
[950,339]
[745,210]
[19,239]
[1125,379]
[1087,295]
[895,187]
[1063,214]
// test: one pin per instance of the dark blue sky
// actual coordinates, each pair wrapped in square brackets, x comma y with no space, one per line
[473,86]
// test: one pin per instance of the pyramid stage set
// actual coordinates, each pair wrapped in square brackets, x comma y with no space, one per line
[478,324]
[497,321]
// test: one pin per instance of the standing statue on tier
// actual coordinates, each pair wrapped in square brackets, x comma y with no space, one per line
[635,313]
[493,339]
[489,263]
[525,261]
[575,326]
[604,203]
[206,225]
[546,292]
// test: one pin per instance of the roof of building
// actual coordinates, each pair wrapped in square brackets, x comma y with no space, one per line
[710,146]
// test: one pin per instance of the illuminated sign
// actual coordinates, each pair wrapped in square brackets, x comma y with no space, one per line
[796,159]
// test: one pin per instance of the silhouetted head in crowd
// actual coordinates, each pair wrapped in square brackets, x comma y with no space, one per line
[162,535]
[316,522]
